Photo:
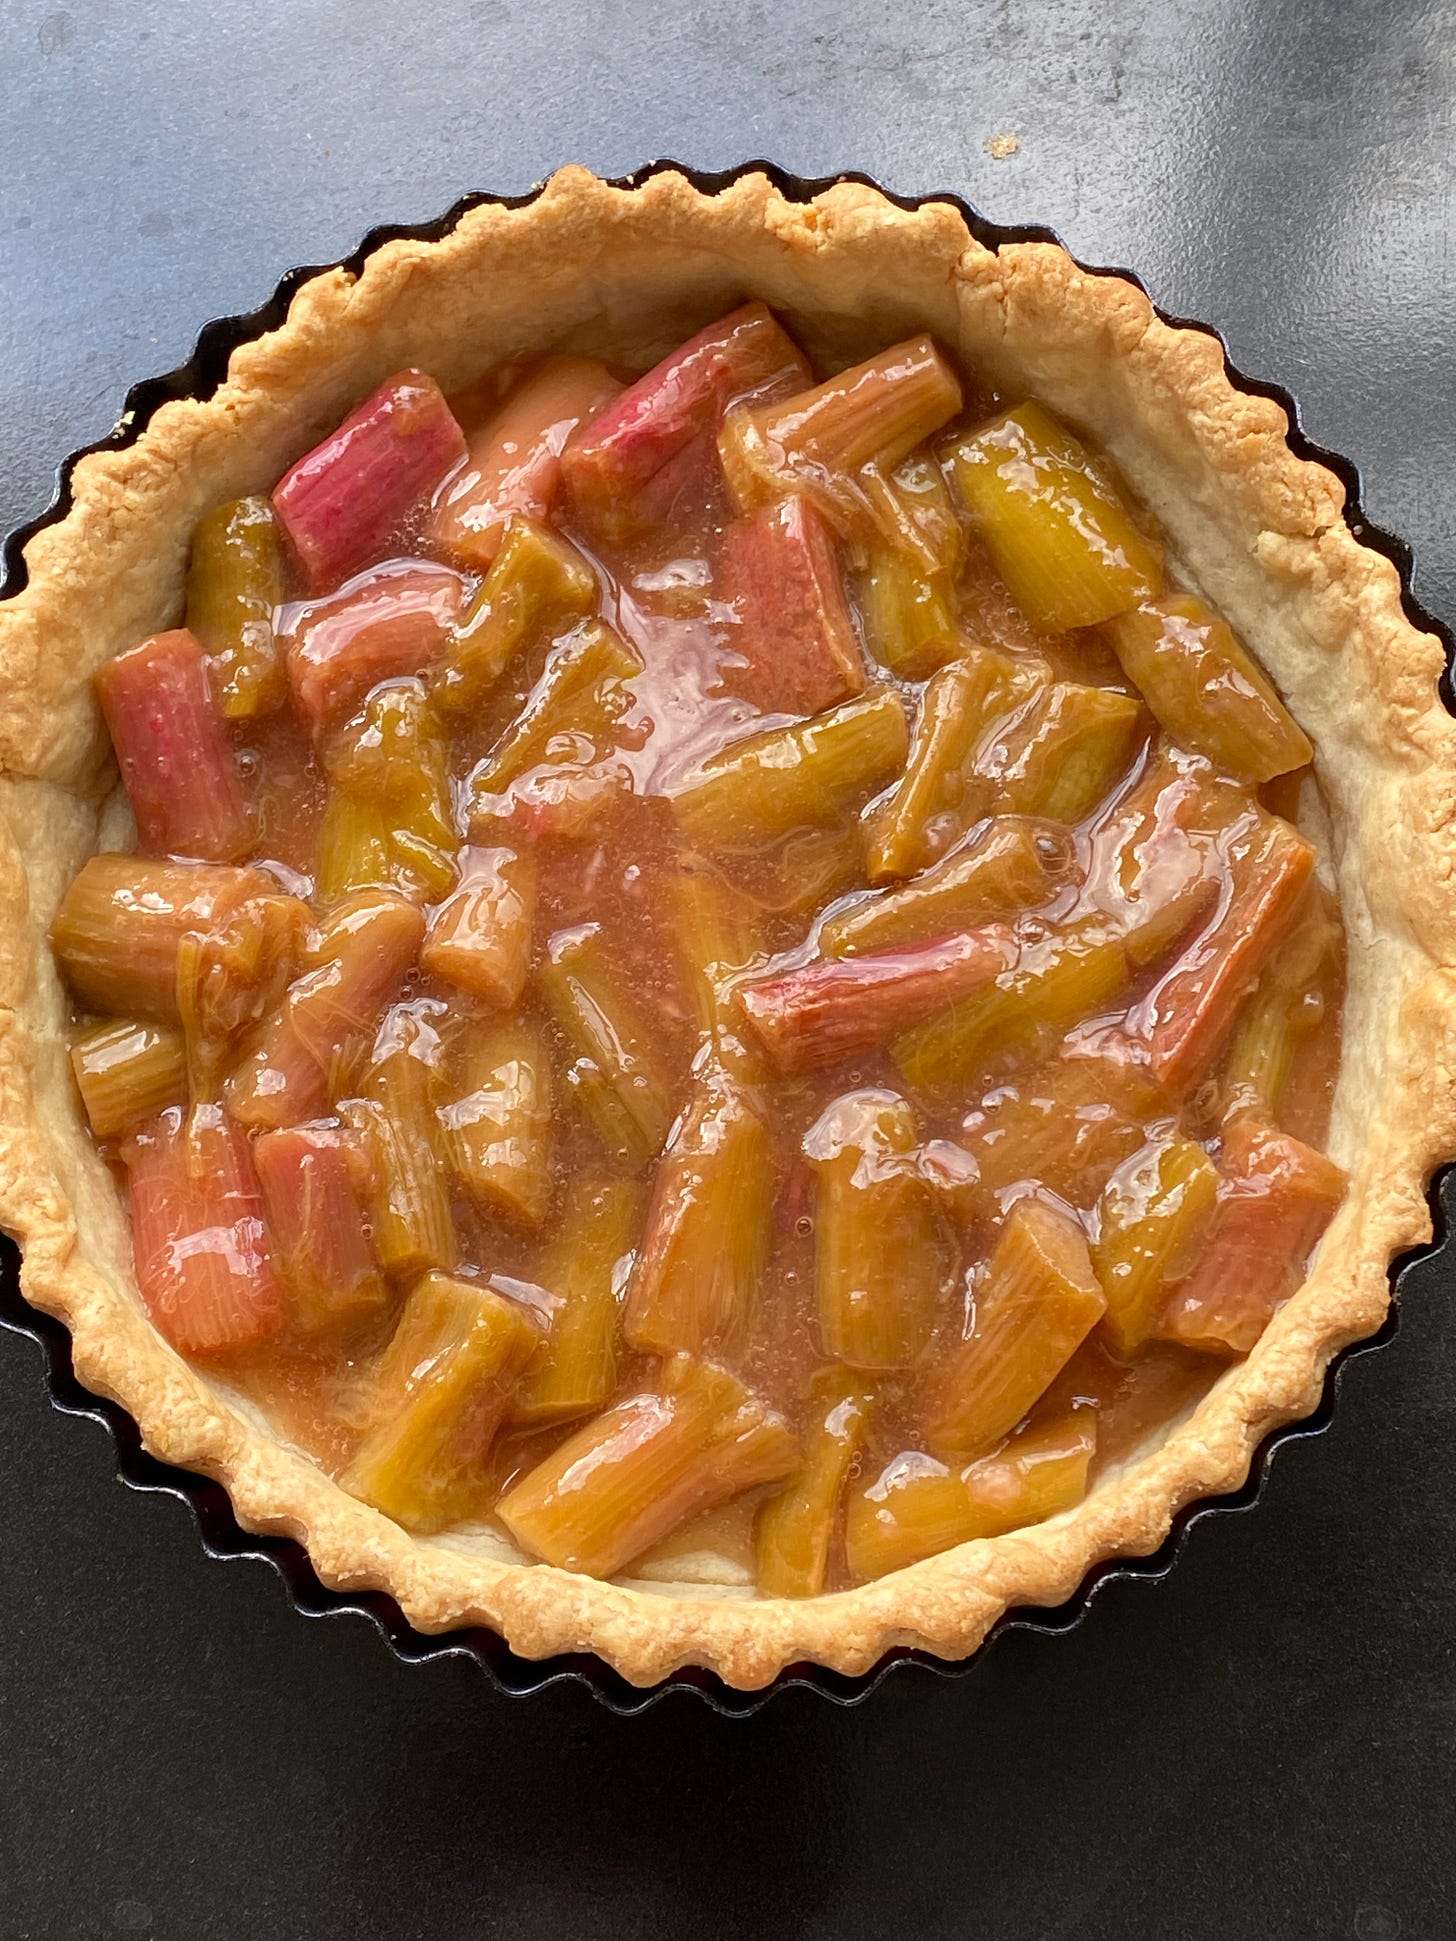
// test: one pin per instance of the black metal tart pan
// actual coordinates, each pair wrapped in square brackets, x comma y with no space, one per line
[222,1536]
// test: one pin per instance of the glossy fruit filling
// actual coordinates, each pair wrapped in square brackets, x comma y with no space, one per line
[720,976]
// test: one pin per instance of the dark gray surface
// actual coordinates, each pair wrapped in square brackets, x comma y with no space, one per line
[1263,1746]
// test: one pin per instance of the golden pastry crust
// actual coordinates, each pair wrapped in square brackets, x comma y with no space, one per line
[627,273]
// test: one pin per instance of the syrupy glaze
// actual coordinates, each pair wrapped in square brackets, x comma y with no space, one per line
[608,845]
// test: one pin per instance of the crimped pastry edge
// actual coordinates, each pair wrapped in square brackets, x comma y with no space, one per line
[627,271]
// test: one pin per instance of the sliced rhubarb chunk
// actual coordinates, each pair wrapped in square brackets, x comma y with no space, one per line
[618,1074]
[307,1174]
[480,937]
[385,624]
[230,976]
[390,815]
[203,1254]
[1191,1010]
[1058,530]
[1032,1306]
[410,1219]
[632,1474]
[765,787]
[1151,1224]
[1276,1196]
[514,462]
[1066,1126]
[346,500]
[304,1052]
[609,463]
[118,933]
[1206,688]
[875,414]
[234,581]
[822,1012]
[173,751]
[1299,989]
[536,582]
[582,1267]
[795,1529]
[918,1507]
[881,1260]
[495,1110]
[781,574]
[127,1073]
[708,1231]
[436,1398]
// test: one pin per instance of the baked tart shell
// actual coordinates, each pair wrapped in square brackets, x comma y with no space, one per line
[624,273]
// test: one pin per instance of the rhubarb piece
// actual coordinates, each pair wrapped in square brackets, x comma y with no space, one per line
[1066,1126]
[390,819]
[1034,1304]
[410,1218]
[575,706]
[617,1074]
[1056,982]
[877,412]
[120,926]
[907,593]
[915,518]
[307,1175]
[822,1012]
[1151,1222]
[201,1246]
[1206,689]
[437,1397]
[497,1120]
[513,466]
[1276,1196]
[306,1051]
[609,464]
[173,752]
[230,976]
[637,1472]
[479,938]
[1002,867]
[234,581]
[755,791]
[1060,536]
[344,502]
[702,1255]
[397,621]
[795,630]
[583,1268]
[127,1073]
[716,934]
[1062,977]
[909,617]
[1067,751]
[880,1256]
[1290,1002]
[1190,1011]
[796,1528]
[918,1507]
[537,582]
[939,796]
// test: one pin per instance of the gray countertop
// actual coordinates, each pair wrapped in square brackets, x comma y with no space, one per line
[1263,1746]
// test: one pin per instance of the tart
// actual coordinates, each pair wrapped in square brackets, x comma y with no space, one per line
[728,926]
